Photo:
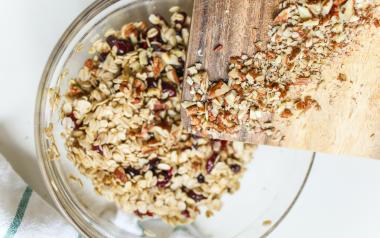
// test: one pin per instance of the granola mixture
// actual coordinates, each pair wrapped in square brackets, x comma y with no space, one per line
[273,85]
[124,131]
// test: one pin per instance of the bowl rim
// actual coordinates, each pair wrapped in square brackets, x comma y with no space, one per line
[43,161]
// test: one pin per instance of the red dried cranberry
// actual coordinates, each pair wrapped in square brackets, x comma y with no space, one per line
[132,171]
[196,197]
[143,45]
[75,120]
[139,214]
[224,144]
[98,149]
[152,83]
[153,163]
[160,106]
[149,213]
[111,40]
[211,163]
[123,47]
[165,125]
[235,168]
[201,178]
[181,61]
[103,56]
[186,213]
[167,177]
[169,88]
[72,116]
[179,70]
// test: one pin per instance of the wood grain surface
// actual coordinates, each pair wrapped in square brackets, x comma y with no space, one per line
[349,119]
[234,24]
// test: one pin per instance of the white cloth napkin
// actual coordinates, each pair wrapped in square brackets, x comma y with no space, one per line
[23,213]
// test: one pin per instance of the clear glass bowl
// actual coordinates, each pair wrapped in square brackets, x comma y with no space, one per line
[268,190]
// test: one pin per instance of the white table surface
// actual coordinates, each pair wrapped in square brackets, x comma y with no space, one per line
[341,198]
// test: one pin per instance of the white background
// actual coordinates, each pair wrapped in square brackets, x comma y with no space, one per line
[341,198]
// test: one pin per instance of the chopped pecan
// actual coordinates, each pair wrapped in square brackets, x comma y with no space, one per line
[218,89]
[286,113]
[158,66]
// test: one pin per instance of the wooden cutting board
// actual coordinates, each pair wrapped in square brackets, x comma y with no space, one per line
[234,26]
[349,119]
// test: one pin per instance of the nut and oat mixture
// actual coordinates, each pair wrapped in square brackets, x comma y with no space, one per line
[124,131]
[273,85]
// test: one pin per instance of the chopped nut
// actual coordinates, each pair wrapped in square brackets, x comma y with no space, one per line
[286,113]
[262,90]
[342,77]
[192,110]
[158,66]
[218,89]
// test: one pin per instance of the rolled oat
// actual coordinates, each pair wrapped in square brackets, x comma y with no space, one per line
[124,131]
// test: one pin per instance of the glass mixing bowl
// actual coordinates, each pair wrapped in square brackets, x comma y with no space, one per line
[268,190]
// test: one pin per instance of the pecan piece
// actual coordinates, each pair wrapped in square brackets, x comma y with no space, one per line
[158,66]
[218,89]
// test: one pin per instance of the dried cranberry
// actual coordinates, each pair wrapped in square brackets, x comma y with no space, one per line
[98,149]
[72,116]
[196,197]
[156,46]
[201,178]
[103,56]
[165,125]
[211,163]
[224,144]
[235,168]
[153,163]
[123,47]
[179,70]
[167,177]
[152,83]
[159,106]
[169,88]
[181,61]
[143,45]
[148,213]
[75,120]
[132,171]
[186,213]
[111,40]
